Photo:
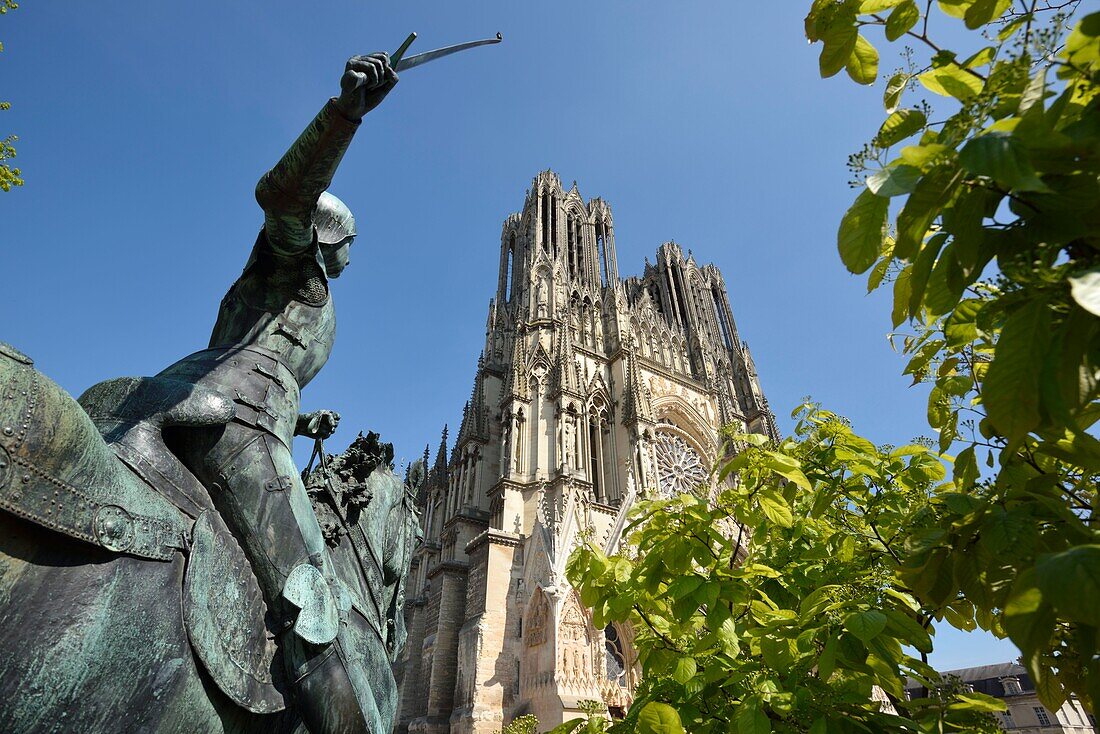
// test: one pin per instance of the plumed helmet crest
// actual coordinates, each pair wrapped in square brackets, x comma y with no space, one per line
[332,219]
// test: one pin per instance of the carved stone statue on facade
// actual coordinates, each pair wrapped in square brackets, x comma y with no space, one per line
[569,460]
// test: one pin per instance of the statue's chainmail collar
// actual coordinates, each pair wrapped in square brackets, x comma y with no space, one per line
[306,282]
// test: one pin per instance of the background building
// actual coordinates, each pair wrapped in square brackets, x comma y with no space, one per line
[1011,683]
[590,392]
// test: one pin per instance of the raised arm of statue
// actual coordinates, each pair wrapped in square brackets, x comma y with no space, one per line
[288,192]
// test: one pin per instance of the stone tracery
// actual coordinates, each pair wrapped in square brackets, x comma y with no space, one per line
[679,467]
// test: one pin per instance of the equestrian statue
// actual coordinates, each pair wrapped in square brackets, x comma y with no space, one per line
[164,566]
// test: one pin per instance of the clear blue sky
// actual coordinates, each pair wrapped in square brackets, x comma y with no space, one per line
[144,127]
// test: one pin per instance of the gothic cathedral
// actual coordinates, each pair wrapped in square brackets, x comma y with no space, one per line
[591,392]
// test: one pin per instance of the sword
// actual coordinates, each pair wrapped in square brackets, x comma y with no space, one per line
[400,64]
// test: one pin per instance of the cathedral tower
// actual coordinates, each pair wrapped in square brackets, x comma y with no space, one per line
[590,392]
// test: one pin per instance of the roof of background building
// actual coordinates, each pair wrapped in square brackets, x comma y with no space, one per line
[985,678]
[984,672]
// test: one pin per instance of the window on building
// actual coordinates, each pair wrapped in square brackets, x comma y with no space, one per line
[1042,715]
[614,660]
[594,441]
[723,321]
[571,245]
[601,251]
[546,222]
[508,270]
[1009,722]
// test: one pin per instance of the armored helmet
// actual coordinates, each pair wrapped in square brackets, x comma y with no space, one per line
[332,219]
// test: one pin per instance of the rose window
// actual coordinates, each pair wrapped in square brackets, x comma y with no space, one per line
[679,468]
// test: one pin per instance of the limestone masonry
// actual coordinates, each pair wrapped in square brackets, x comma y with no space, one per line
[590,393]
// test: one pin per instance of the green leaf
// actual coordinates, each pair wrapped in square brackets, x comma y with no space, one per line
[658,718]
[774,507]
[788,468]
[929,197]
[1034,93]
[1009,28]
[920,155]
[728,638]
[865,625]
[859,238]
[1083,45]
[945,284]
[951,81]
[1051,692]
[826,662]
[984,11]
[1007,530]
[1028,618]
[1003,158]
[901,296]
[1070,580]
[962,325]
[894,180]
[977,702]
[891,98]
[922,269]
[1011,388]
[955,8]
[980,58]
[874,280]
[902,20]
[862,65]
[751,719]
[684,670]
[684,585]
[966,469]
[908,630]
[876,6]
[839,41]
[1085,289]
[899,126]
[567,727]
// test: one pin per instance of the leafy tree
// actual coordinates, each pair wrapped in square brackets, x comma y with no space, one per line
[526,724]
[795,631]
[8,176]
[858,552]
[993,259]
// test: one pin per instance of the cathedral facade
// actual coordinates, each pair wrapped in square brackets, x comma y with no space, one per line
[591,392]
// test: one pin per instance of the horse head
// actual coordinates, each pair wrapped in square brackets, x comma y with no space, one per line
[369,517]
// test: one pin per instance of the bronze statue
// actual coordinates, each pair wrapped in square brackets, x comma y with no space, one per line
[274,332]
[162,566]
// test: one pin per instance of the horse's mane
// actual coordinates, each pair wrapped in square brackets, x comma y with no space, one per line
[338,485]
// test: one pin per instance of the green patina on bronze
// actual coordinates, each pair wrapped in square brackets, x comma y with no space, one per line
[162,567]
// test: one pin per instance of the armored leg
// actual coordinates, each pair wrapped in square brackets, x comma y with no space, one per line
[256,486]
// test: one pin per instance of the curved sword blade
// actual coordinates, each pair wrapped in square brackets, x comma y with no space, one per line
[395,57]
[411,61]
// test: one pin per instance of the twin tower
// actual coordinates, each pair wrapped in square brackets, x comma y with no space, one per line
[591,392]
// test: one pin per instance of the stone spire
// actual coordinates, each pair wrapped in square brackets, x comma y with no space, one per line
[441,455]
[636,400]
[515,384]
[475,417]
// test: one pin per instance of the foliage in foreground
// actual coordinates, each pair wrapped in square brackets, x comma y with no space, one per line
[993,256]
[858,552]
[8,176]
[793,631]
[649,718]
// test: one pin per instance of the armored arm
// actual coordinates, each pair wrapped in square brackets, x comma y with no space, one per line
[288,192]
[318,424]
